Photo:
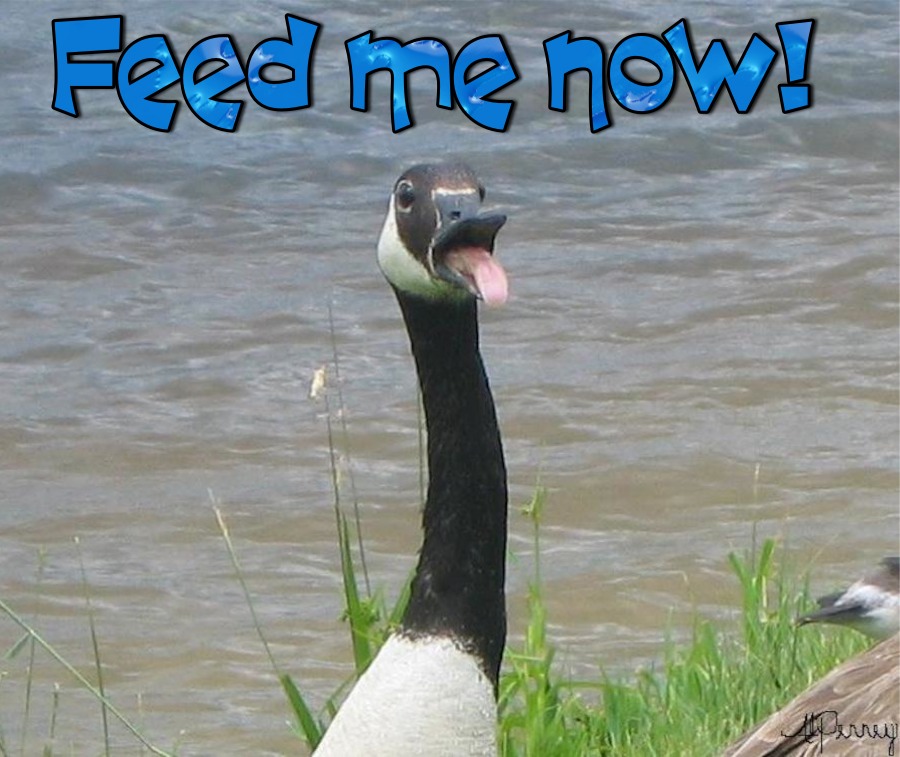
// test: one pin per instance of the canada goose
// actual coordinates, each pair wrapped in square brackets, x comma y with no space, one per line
[854,710]
[871,605]
[431,690]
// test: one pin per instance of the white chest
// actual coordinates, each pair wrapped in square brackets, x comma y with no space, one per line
[419,698]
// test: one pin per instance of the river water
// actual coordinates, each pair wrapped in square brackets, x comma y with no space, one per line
[701,345]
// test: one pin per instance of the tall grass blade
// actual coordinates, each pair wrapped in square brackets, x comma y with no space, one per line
[357,614]
[14,650]
[357,617]
[48,749]
[232,554]
[312,730]
[96,646]
[399,608]
[345,438]
[32,649]
[140,706]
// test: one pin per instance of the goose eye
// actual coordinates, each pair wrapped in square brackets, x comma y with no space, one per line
[406,195]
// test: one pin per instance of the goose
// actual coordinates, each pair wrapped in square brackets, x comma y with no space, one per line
[432,688]
[870,605]
[854,710]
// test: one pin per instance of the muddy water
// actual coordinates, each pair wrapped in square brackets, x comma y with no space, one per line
[701,342]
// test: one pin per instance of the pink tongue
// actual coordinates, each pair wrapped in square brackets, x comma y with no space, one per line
[479,267]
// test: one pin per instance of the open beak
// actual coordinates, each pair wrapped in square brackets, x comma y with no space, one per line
[462,249]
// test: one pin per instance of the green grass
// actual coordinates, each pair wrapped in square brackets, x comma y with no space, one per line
[707,693]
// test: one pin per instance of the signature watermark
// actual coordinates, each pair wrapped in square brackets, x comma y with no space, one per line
[818,725]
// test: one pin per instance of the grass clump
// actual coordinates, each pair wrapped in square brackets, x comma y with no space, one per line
[538,711]
[707,693]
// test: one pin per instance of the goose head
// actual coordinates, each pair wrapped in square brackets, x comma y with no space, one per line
[435,244]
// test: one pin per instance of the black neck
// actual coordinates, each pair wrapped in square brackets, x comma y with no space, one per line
[458,587]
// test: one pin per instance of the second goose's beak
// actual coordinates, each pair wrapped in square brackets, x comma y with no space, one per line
[462,249]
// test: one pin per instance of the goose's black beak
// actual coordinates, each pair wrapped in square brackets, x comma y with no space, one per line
[463,245]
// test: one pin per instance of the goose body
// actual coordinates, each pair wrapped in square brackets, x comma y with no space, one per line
[870,605]
[431,690]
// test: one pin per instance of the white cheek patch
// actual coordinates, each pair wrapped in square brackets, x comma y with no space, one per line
[401,268]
